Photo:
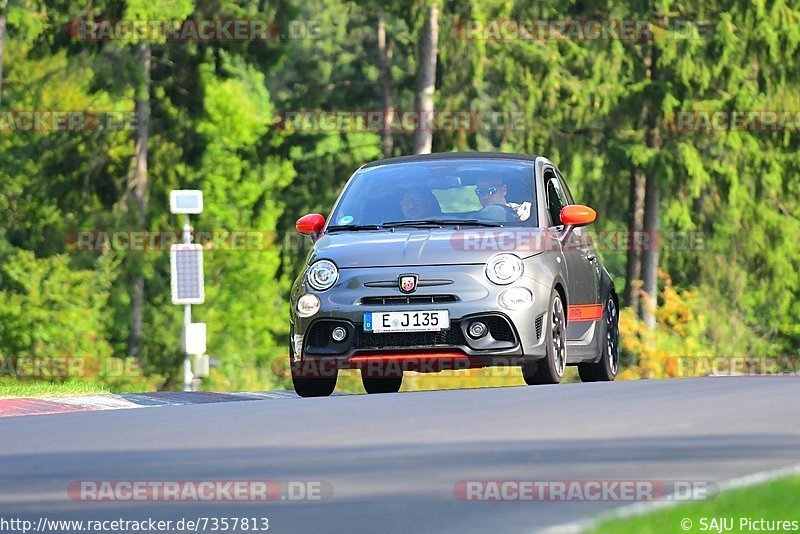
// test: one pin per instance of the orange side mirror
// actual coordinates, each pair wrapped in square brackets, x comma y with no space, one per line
[577,215]
[311,224]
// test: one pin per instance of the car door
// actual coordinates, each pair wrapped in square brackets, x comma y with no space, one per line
[588,247]
[581,259]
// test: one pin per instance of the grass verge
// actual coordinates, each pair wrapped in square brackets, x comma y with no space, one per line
[761,508]
[10,388]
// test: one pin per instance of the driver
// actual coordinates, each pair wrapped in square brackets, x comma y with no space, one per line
[492,190]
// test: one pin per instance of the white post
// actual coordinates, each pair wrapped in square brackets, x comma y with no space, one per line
[187,201]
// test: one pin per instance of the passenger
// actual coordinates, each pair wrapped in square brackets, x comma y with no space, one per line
[419,203]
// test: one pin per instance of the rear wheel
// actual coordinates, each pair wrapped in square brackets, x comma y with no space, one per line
[382,384]
[606,369]
[550,369]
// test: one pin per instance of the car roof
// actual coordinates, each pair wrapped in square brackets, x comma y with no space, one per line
[449,155]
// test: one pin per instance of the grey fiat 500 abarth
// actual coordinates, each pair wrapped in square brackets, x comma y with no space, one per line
[452,261]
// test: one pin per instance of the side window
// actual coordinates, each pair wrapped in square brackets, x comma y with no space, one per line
[556,199]
[565,188]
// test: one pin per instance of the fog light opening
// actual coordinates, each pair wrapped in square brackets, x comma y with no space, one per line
[339,334]
[476,330]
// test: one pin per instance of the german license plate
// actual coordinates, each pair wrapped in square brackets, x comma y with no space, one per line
[407,321]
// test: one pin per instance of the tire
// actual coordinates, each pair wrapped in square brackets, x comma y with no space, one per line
[381,384]
[606,369]
[312,380]
[312,386]
[550,369]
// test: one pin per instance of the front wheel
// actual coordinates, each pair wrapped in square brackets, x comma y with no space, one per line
[605,370]
[550,369]
[312,379]
[313,386]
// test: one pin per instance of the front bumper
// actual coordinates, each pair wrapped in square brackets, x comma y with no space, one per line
[463,290]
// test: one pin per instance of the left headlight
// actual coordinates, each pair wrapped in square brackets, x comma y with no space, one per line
[322,275]
[504,269]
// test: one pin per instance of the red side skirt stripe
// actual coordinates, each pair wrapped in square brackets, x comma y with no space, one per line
[584,312]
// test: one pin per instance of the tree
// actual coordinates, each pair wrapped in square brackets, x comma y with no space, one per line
[138,186]
[385,53]
[426,78]
[652,196]
[633,267]
[3,8]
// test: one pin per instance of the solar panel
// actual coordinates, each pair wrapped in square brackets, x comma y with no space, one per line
[186,264]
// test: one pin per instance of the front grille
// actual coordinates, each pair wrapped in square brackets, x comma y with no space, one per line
[408,299]
[389,340]
[539,327]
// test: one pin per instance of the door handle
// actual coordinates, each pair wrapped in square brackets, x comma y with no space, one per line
[591,257]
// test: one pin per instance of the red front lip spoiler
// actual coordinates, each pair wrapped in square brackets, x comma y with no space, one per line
[442,360]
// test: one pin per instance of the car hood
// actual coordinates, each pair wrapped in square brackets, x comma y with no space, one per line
[407,247]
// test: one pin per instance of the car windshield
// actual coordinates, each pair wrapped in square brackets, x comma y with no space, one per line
[436,193]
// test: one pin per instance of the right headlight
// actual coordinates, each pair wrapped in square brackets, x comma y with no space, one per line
[307,305]
[504,269]
[322,275]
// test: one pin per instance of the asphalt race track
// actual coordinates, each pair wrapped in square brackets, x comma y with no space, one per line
[393,460]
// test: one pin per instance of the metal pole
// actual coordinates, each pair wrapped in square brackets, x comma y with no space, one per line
[187,318]
[187,363]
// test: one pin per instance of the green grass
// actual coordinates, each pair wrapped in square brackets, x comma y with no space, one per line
[48,389]
[774,501]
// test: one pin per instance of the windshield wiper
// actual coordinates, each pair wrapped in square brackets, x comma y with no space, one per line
[439,222]
[475,222]
[413,222]
[352,227]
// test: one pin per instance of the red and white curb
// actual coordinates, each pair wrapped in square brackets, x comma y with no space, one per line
[17,406]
